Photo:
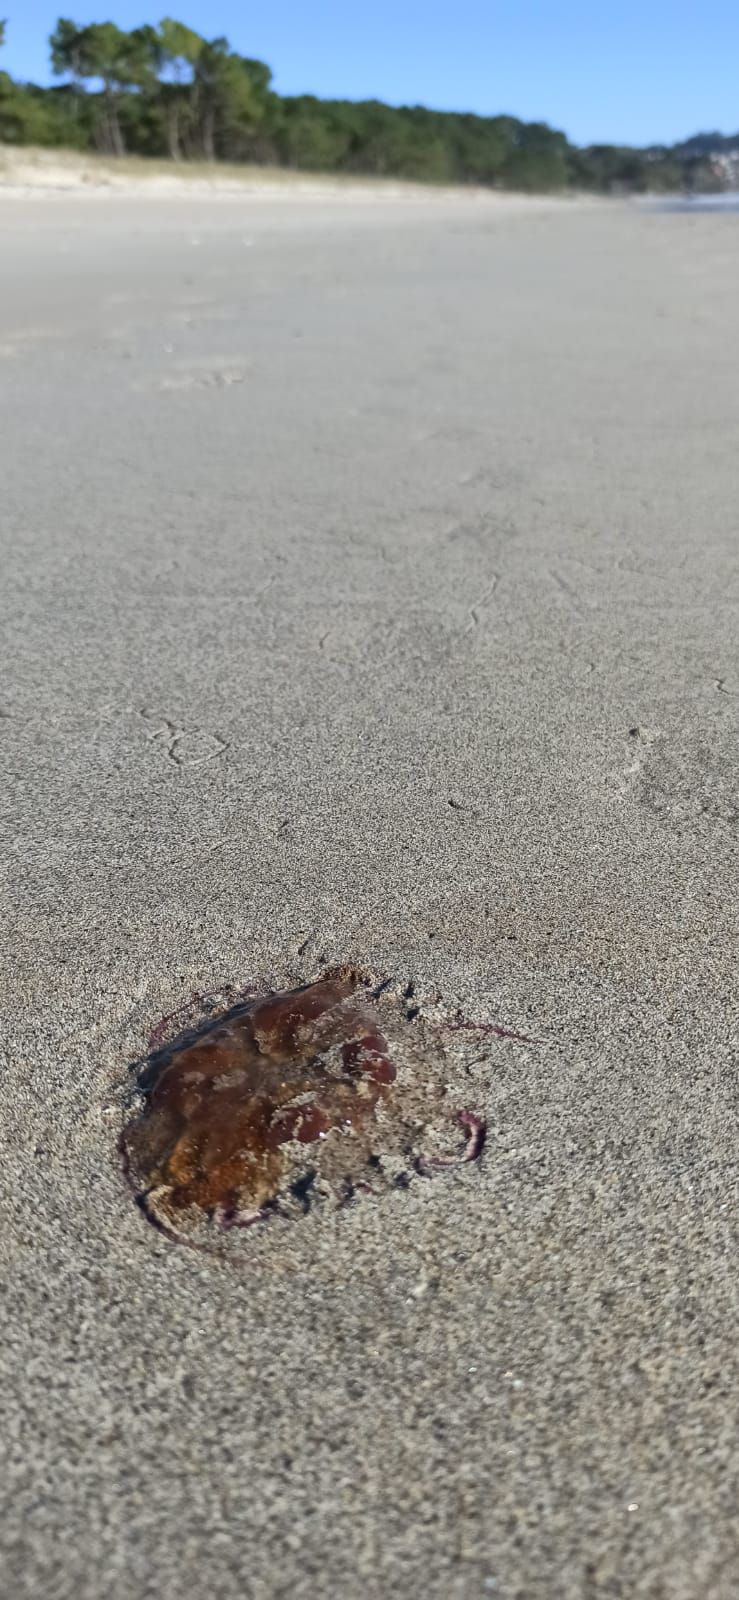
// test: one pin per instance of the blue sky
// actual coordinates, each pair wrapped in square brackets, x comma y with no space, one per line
[628,71]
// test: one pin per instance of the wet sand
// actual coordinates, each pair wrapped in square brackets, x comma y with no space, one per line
[370,594]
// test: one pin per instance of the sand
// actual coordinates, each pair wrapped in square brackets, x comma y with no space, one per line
[370,593]
[30,171]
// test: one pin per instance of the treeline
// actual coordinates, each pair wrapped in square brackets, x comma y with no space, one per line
[166,91]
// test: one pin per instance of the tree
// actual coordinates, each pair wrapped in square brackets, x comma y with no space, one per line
[104,52]
[538,160]
[177,51]
[242,104]
[29,115]
[311,134]
[67,52]
[209,88]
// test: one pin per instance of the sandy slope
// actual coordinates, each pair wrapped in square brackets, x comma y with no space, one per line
[27,172]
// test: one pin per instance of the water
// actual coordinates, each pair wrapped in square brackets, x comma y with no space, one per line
[726,201]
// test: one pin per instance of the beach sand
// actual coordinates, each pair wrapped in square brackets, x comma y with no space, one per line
[370,593]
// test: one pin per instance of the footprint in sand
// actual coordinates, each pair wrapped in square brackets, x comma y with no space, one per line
[185,380]
[684,781]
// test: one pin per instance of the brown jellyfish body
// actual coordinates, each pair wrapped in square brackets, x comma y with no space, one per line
[288,1093]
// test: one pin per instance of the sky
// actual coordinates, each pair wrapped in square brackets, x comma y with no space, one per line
[624,72]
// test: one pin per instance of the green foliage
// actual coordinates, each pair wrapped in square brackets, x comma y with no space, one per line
[165,90]
[175,49]
[179,48]
[102,51]
[66,49]
[237,97]
[405,142]
[29,115]
[612,170]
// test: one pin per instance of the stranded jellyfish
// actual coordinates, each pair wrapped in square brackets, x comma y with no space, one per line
[284,1094]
